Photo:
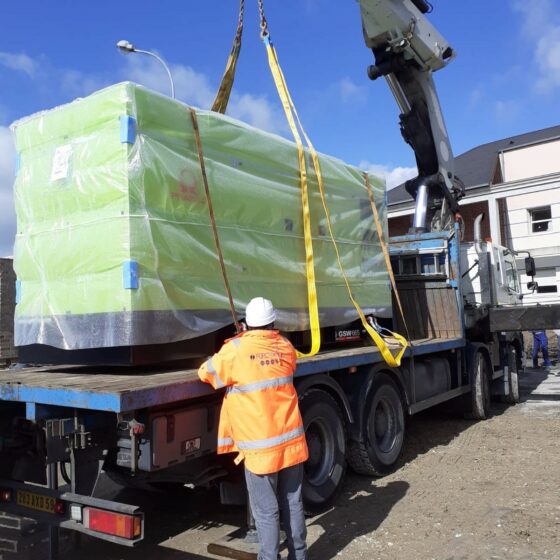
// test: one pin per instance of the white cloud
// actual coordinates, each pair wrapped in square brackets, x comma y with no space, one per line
[257,111]
[507,110]
[76,83]
[64,82]
[20,62]
[475,96]
[195,88]
[349,91]
[190,86]
[394,176]
[7,215]
[541,26]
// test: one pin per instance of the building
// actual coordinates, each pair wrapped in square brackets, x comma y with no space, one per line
[516,183]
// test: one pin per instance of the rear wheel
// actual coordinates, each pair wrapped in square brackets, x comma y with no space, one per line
[480,388]
[382,433]
[326,439]
[512,396]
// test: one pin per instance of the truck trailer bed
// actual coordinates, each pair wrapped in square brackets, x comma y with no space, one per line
[122,390]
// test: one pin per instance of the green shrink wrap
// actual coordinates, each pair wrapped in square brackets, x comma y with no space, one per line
[114,242]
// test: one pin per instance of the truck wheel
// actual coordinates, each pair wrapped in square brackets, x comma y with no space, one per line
[326,439]
[480,389]
[382,432]
[512,396]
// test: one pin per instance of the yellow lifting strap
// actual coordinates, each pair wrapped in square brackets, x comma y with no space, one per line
[224,91]
[291,112]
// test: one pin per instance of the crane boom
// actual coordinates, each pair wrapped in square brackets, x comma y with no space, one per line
[407,50]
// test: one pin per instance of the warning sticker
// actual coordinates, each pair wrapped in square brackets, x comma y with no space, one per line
[61,162]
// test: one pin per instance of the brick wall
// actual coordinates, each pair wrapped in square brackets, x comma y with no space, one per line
[400,225]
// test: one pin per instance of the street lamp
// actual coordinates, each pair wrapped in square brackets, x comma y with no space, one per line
[127,47]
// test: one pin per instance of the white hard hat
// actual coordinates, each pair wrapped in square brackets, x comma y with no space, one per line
[260,312]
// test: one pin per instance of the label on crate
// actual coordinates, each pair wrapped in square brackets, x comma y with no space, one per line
[61,162]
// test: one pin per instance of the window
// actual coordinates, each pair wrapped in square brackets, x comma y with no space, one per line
[511,272]
[546,279]
[547,290]
[541,219]
[432,264]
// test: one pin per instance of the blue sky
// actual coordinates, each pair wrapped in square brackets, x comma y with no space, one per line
[505,80]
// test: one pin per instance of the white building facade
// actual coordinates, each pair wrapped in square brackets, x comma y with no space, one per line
[516,183]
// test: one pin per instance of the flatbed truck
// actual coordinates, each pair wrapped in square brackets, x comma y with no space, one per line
[145,426]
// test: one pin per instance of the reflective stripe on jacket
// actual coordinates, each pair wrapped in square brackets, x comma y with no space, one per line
[260,415]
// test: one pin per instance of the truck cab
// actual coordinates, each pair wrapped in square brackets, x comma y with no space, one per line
[490,276]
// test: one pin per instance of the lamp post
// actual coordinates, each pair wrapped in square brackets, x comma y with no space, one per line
[127,47]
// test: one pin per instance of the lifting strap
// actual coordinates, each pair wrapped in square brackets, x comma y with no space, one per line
[291,112]
[385,250]
[212,217]
[224,91]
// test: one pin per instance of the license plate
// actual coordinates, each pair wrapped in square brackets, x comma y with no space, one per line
[35,501]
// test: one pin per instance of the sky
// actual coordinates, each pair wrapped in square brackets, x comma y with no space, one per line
[504,81]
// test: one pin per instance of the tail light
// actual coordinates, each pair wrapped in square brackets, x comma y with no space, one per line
[5,495]
[59,507]
[111,523]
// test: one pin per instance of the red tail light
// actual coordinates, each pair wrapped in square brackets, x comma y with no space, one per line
[110,523]
[5,495]
[59,507]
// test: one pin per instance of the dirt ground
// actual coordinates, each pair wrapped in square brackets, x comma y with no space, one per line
[465,490]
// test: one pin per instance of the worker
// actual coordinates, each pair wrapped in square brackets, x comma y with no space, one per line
[260,419]
[540,341]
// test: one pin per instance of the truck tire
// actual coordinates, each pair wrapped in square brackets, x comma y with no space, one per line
[512,396]
[325,432]
[480,389]
[382,432]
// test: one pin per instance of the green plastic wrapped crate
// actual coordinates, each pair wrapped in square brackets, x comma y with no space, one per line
[114,243]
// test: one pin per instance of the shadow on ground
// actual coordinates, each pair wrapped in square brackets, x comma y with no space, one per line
[357,514]
[534,384]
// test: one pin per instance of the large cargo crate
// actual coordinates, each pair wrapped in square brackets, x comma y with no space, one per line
[114,245]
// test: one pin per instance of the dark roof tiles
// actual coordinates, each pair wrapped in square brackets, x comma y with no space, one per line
[476,167]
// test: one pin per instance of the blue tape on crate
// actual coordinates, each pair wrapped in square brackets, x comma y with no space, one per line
[18,291]
[128,129]
[18,164]
[130,275]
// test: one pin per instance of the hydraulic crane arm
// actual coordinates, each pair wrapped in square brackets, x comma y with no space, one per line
[407,50]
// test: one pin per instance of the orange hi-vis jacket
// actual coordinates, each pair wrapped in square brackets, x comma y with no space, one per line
[260,415]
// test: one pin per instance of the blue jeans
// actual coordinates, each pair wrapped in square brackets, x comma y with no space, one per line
[540,341]
[274,495]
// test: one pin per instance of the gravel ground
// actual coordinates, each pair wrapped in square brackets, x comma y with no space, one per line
[465,490]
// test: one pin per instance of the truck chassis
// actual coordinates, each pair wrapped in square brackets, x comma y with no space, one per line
[146,426]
